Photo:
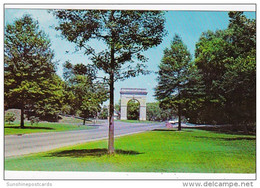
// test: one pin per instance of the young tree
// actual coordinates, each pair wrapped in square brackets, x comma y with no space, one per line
[126,34]
[28,64]
[174,73]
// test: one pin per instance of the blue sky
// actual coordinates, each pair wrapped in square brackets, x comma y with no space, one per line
[188,24]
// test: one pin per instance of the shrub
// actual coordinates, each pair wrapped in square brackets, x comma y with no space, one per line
[34,119]
[9,117]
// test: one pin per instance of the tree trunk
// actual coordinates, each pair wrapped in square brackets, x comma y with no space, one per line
[111,149]
[96,118]
[179,105]
[84,121]
[22,118]
[245,128]
[179,116]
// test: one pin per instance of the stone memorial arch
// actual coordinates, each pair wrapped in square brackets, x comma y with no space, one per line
[139,94]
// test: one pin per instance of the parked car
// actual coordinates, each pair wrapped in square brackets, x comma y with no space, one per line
[173,121]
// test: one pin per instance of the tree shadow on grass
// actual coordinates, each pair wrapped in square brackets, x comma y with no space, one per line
[18,127]
[226,139]
[164,130]
[97,152]
[170,129]
[226,129]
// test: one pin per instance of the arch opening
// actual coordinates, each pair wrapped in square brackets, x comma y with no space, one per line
[133,110]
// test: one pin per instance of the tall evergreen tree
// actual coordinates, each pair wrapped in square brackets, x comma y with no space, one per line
[126,34]
[28,64]
[173,79]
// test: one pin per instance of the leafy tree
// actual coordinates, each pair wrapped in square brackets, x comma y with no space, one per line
[174,74]
[227,62]
[133,110]
[240,86]
[242,34]
[86,95]
[104,113]
[9,117]
[28,64]
[152,111]
[159,111]
[240,77]
[211,52]
[126,34]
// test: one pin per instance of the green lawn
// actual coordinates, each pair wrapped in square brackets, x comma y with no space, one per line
[154,151]
[42,127]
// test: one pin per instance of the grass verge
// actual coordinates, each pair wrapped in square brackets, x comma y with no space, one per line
[190,151]
[136,121]
[42,127]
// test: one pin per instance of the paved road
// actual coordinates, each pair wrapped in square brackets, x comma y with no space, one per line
[32,143]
